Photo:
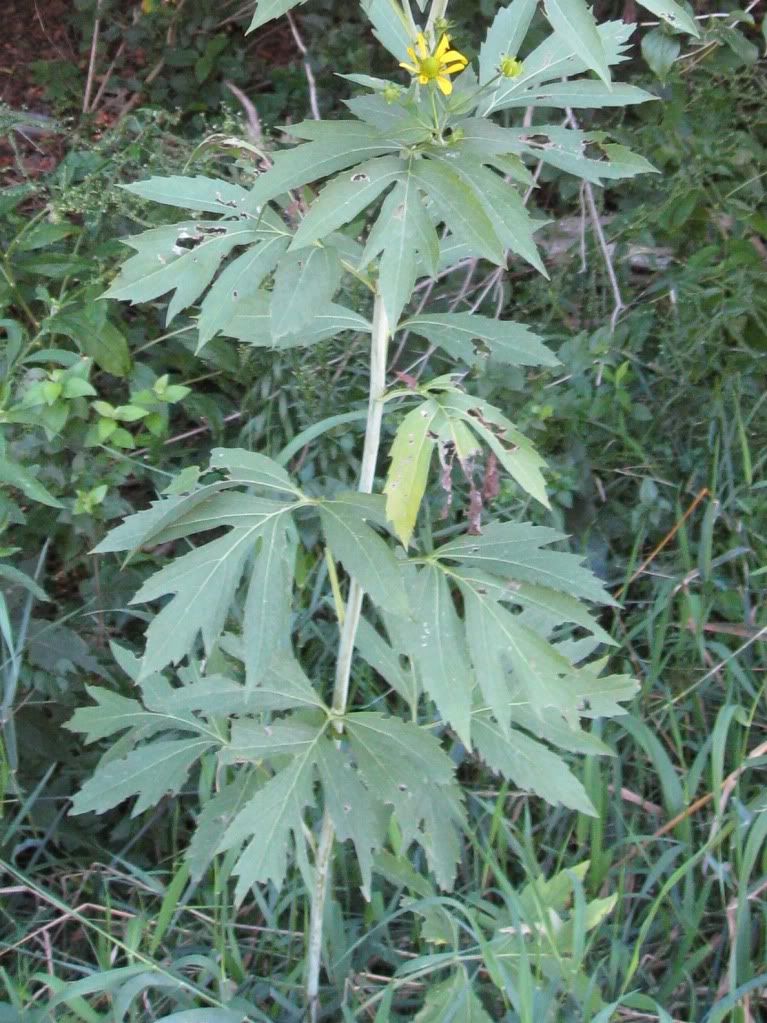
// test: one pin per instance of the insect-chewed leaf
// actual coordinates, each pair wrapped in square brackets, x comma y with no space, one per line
[512,550]
[346,196]
[304,283]
[453,999]
[512,449]
[409,469]
[266,823]
[149,772]
[437,646]
[673,14]
[398,761]
[182,258]
[236,284]
[315,160]
[356,812]
[364,555]
[504,340]
[530,765]
[207,195]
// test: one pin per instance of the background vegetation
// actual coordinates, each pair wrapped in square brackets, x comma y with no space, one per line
[656,425]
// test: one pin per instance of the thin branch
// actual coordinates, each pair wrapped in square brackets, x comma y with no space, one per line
[92,59]
[313,102]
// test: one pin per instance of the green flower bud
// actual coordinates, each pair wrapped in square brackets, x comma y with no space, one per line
[510,67]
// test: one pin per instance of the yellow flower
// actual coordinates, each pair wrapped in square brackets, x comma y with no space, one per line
[437,66]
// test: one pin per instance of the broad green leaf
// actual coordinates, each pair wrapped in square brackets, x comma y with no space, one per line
[140,528]
[389,26]
[208,195]
[573,20]
[602,695]
[245,466]
[203,583]
[529,765]
[673,14]
[503,340]
[15,475]
[409,469]
[314,160]
[438,649]
[550,608]
[356,812]
[95,337]
[382,657]
[584,92]
[487,649]
[266,616]
[398,267]
[512,550]
[364,555]
[392,120]
[304,282]
[252,324]
[453,1000]
[114,713]
[149,772]
[215,817]
[241,278]
[253,741]
[399,761]
[346,196]
[221,509]
[505,36]
[265,824]
[460,207]
[267,10]
[543,675]
[554,59]
[660,50]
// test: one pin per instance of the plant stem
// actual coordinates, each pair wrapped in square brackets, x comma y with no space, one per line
[377,389]
[437,11]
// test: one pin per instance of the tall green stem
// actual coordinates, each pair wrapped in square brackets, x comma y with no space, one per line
[378,349]
[438,10]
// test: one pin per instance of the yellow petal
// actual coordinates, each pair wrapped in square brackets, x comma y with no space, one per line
[409,67]
[445,85]
[411,54]
[452,69]
[423,79]
[421,44]
[442,46]
[454,55]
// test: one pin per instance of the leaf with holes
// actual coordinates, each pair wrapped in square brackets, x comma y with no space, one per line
[355,810]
